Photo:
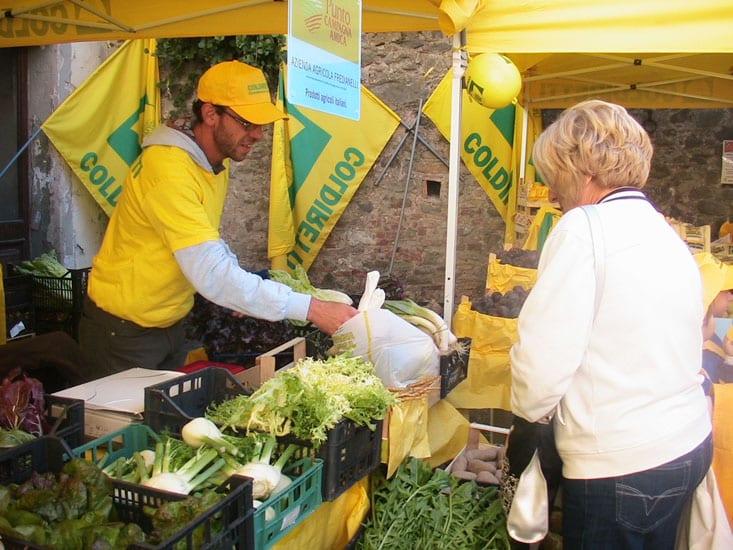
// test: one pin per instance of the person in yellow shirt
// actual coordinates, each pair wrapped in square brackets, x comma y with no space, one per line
[162,244]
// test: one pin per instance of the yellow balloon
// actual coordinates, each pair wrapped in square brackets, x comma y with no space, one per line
[492,80]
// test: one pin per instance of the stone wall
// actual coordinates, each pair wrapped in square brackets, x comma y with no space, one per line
[401,69]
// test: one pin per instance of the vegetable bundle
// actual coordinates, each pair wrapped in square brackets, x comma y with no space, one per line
[424,508]
[309,399]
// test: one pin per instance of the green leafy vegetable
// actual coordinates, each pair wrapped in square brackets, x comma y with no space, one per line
[309,399]
[52,275]
[424,508]
[300,282]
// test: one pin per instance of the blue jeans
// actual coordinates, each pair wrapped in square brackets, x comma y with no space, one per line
[632,512]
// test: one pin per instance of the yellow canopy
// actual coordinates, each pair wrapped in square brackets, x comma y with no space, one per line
[37,22]
[567,50]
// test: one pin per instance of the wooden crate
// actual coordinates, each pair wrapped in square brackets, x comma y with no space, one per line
[282,357]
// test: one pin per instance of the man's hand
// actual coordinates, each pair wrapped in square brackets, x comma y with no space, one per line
[329,316]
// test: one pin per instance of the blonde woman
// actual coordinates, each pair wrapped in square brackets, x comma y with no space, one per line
[613,349]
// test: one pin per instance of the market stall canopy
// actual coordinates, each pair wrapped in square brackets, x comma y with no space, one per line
[33,23]
[569,50]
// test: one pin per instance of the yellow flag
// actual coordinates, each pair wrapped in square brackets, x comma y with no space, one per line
[487,143]
[318,162]
[99,129]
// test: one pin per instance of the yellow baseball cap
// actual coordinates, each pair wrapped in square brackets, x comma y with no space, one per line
[242,88]
[716,276]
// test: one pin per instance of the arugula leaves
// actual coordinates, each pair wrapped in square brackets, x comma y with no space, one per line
[424,508]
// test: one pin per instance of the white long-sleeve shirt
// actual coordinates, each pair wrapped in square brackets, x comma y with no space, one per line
[625,380]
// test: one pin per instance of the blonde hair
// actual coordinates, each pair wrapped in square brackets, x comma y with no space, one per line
[597,139]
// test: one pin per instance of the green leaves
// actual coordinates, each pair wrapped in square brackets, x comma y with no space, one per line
[309,399]
[425,508]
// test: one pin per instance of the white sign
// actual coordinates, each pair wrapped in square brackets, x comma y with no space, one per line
[726,172]
[324,56]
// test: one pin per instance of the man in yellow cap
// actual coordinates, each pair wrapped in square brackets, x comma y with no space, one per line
[162,244]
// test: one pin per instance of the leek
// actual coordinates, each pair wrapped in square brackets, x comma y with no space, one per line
[428,321]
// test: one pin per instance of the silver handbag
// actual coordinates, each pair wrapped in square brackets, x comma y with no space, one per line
[527,519]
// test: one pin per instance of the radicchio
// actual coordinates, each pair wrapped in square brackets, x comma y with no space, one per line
[22,404]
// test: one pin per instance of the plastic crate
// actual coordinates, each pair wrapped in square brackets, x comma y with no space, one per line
[290,507]
[349,454]
[120,443]
[66,417]
[66,421]
[234,513]
[130,498]
[59,301]
[170,405]
[454,368]
[19,305]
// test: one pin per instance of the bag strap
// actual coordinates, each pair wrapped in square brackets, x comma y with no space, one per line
[599,251]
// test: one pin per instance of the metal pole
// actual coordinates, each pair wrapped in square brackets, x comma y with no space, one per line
[20,152]
[459,67]
[407,183]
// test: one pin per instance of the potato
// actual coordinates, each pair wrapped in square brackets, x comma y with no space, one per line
[460,463]
[476,465]
[463,474]
[486,454]
[487,478]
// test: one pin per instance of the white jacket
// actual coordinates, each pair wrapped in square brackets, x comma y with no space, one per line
[625,380]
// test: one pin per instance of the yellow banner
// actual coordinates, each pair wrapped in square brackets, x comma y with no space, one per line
[487,145]
[318,162]
[99,128]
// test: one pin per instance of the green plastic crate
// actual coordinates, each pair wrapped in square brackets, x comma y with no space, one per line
[290,507]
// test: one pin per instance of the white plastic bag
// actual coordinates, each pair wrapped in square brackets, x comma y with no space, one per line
[401,353]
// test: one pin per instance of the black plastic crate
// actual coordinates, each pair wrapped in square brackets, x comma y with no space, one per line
[66,418]
[18,291]
[45,454]
[454,368]
[349,454]
[234,513]
[59,301]
[170,405]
